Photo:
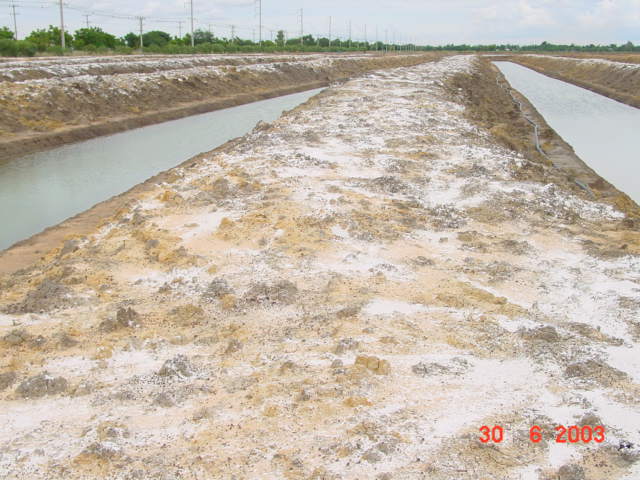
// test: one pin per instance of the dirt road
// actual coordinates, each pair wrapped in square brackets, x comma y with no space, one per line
[350,292]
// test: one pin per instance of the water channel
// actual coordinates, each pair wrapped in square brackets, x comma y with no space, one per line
[604,133]
[43,189]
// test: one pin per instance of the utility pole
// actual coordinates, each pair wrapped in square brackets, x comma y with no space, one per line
[253,35]
[140,19]
[193,40]
[376,37]
[62,26]
[86,16]
[15,24]
[301,27]
[365,37]
[180,28]
[386,44]
[260,22]
[349,33]
[233,34]
[329,31]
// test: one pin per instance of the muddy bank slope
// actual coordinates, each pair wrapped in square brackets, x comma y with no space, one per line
[349,292]
[614,79]
[65,102]
[510,117]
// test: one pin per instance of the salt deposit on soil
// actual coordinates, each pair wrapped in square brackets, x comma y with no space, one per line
[351,291]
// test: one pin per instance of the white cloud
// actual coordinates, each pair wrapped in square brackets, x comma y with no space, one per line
[611,13]
[534,16]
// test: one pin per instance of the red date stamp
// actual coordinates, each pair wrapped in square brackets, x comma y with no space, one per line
[563,434]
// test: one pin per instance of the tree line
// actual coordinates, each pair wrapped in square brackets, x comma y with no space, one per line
[94,40]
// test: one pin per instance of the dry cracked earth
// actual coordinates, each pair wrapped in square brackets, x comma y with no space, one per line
[350,292]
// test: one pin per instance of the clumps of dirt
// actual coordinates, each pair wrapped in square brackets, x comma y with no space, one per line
[41,385]
[546,334]
[592,333]
[349,311]
[515,247]
[445,217]
[472,241]
[595,371]
[164,400]
[187,315]
[422,261]
[176,367]
[7,379]
[69,246]
[19,337]
[283,292]
[66,341]
[389,184]
[125,318]
[47,296]
[233,346]
[457,366]
[102,451]
[570,471]
[16,337]
[544,344]
[345,345]
[604,251]
[590,419]
[476,171]
[375,364]
[371,226]
[219,189]
[217,289]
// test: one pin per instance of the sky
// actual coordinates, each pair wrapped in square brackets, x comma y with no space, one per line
[433,22]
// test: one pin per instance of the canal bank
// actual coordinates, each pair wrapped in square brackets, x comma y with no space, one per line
[41,113]
[601,131]
[43,189]
[614,79]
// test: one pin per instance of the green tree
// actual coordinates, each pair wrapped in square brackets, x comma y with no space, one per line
[40,38]
[44,39]
[203,36]
[6,34]
[131,40]
[94,36]
[156,38]
[280,38]
[54,37]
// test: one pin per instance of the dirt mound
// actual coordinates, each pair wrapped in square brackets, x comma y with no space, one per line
[76,104]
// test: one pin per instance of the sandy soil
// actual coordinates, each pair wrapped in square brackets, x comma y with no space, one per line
[349,292]
[45,103]
[613,78]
